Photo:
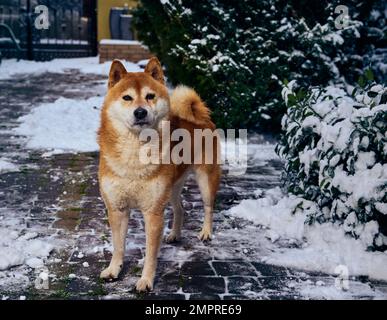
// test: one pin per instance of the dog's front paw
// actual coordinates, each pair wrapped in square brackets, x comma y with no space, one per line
[111,272]
[144,284]
[205,235]
[172,237]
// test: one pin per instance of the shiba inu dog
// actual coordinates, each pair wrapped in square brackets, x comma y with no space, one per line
[136,101]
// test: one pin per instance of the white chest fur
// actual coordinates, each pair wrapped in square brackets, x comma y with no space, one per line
[124,193]
[130,185]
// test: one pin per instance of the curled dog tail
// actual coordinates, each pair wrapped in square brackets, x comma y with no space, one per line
[187,105]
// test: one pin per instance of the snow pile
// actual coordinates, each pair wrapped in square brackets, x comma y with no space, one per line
[335,147]
[277,215]
[7,166]
[11,67]
[321,247]
[66,125]
[321,290]
[120,42]
[17,249]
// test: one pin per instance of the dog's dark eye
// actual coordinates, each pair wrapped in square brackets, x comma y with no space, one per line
[150,96]
[127,98]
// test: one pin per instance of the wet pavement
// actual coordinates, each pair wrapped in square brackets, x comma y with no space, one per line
[57,197]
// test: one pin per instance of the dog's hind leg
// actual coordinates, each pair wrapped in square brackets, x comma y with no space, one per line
[207,177]
[118,221]
[178,212]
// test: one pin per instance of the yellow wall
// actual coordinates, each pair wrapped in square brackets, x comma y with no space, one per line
[103,10]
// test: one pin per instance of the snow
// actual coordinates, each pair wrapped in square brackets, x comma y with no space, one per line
[270,212]
[320,290]
[307,157]
[65,125]
[335,38]
[288,90]
[18,249]
[12,67]
[363,184]
[322,247]
[120,42]
[382,207]
[201,42]
[62,41]
[43,275]
[7,166]
[34,263]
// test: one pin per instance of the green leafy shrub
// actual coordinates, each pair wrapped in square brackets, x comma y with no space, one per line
[335,149]
[238,53]
[365,37]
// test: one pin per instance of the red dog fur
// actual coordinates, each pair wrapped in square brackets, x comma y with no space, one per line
[127,183]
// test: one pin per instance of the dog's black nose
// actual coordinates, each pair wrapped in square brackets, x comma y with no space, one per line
[140,113]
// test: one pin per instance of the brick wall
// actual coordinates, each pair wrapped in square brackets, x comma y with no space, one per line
[121,49]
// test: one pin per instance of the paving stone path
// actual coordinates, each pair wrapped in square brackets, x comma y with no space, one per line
[58,196]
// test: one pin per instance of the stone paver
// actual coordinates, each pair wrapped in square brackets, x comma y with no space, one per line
[59,195]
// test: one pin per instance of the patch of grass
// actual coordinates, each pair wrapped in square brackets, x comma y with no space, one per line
[217,204]
[61,294]
[135,270]
[43,181]
[75,209]
[139,295]
[33,293]
[105,237]
[62,291]
[24,169]
[72,163]
[181,281]
[82,188]
[66,280]
[99,290]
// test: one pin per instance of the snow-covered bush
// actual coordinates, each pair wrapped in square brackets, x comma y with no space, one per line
[365,36]
[335,150]
[238,53]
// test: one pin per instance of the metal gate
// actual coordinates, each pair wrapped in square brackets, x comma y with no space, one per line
[71,30]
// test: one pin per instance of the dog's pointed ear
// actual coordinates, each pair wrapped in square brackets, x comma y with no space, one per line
[117,71]
[154,69]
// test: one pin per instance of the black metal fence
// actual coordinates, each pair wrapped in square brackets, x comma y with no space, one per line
[71,32]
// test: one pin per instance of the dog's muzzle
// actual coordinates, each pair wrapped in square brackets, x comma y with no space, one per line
[140,113]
